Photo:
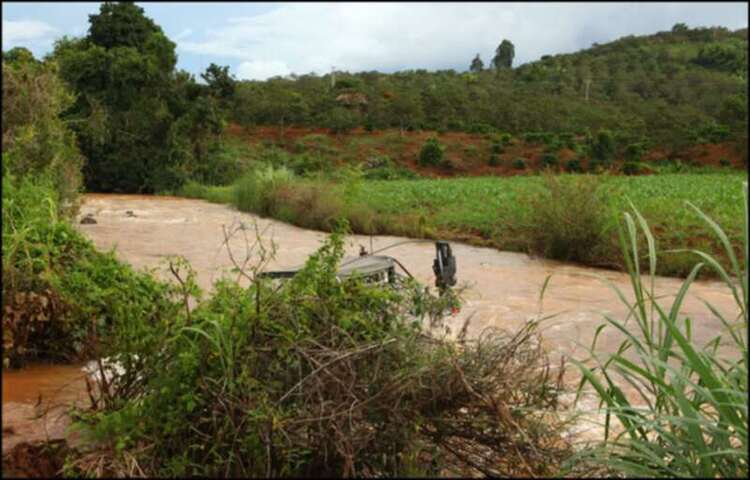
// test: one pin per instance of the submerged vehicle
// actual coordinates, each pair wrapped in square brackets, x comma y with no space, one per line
[382,268]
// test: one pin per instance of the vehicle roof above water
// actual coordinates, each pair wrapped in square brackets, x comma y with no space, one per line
[367,265]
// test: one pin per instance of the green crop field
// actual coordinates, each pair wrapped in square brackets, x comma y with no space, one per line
[488,210]
[473,202]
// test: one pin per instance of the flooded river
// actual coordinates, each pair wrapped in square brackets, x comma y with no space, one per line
[502,288]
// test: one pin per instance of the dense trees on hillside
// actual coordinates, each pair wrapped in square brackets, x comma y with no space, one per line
[665,87]
[142,125]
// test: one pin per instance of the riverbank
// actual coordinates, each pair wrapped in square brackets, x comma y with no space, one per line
[566,217]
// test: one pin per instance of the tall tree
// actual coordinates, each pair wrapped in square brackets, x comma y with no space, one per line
[135,123]
[477,65]
[504,55]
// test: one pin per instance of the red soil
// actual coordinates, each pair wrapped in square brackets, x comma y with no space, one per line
[468,153]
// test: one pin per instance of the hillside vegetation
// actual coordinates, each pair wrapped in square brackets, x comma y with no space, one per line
[670,90]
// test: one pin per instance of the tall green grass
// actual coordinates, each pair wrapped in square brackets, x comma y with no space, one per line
[691,417]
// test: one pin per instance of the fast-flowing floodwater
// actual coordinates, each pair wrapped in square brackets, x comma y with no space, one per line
[503,288]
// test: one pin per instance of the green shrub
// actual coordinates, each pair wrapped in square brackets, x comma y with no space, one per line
[256,190]
[317,376]
[573,166]
[496,148]
[307,164]
[603,147]
[481,128]
[36,141]
[725,162]
[471,151]
[340,120]
[431,153]
[383,168]
[59,293]
[494,160]
[221,166]
[631,168]
[568,218]
[567,139]
[549,160]
[519,163]
[634,152]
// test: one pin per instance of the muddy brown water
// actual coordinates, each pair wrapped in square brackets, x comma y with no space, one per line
[503,288]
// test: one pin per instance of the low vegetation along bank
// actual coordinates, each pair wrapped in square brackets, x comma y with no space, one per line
[565,217]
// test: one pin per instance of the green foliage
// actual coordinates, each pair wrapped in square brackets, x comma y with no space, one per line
[59,293]
[257,189]
[647,85]
[141,126]
[341,120]
[477,65]
[568,218]
[480,128]
[383,168]
[712,133]
[321,376]
[504,55]
[634,152]
[549,160]
[603,147]
[431,153]
[729,57]
[449,207]
[519,163]
[494,160]
[573,166]
[689,418]
[631,168]
[36,142]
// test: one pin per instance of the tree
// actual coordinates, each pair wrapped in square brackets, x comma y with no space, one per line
[477,65]
[19,55]
[120,24]
[220,82]
[405,107]
[504,55]
[139,123]
[680,28]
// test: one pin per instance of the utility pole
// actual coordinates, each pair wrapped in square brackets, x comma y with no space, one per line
[333,77]
[588,83]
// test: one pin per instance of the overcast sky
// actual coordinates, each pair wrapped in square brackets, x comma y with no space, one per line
[260,40]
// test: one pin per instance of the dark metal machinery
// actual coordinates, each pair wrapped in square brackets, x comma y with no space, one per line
[382,268]
[444,266]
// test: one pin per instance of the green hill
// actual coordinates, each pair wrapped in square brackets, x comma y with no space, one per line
[670,89]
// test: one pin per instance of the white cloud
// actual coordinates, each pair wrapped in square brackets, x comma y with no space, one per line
[305,37]
[20,32]
[182,35]
[261,69]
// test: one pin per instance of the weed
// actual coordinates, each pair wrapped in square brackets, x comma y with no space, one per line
[690,419]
